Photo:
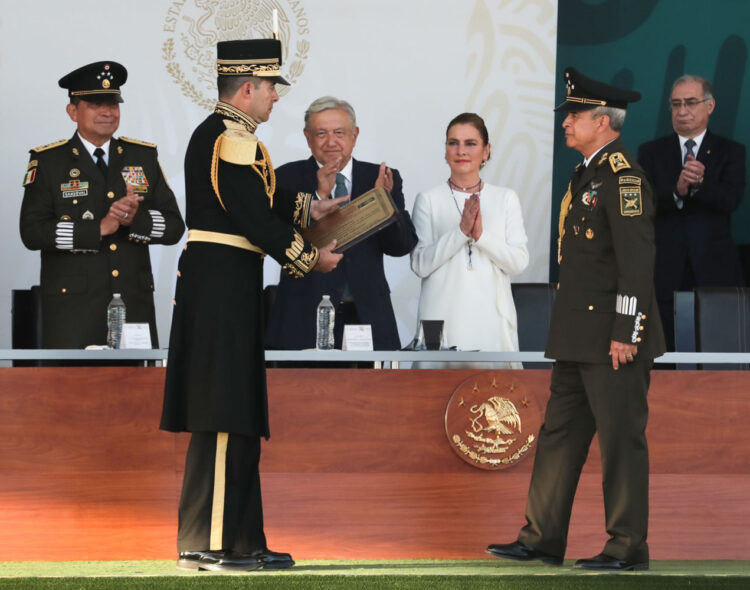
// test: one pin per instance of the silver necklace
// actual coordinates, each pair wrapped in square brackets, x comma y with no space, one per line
[477,186]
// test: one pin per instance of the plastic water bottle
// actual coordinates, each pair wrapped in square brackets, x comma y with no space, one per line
[115,321]
[326,316]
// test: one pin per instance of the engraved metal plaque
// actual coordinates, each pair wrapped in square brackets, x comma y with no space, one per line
[355,221]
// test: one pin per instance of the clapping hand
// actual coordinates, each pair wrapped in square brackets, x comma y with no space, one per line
[327,177]
[690,176]
[385,178]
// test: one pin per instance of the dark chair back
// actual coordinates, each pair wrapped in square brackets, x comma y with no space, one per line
[26,321]
[534,309]
[684,325]
[722,322]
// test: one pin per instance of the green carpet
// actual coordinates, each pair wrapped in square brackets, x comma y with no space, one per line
[419,574]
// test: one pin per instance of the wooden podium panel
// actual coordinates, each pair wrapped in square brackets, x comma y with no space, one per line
[358,466]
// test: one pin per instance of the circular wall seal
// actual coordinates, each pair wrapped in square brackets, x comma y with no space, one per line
[193,27]
[491,422]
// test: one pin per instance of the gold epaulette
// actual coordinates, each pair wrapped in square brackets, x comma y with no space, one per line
[238,145]
[49,146]
[618,162]
[138,142]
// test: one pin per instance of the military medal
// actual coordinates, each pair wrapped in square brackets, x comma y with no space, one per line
[74,188]
[589,234]
[75,172]
[589,198]
[134,176]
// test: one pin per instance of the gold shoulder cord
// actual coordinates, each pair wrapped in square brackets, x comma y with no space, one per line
[265,170]
[564,207]
[215,171]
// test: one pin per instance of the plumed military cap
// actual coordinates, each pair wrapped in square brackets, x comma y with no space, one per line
[250,57]
[96,82]
[585,94]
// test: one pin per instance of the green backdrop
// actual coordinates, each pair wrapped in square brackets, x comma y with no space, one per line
[645,45]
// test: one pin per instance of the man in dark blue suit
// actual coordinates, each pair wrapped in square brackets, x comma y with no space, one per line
[698,180]
[358,287]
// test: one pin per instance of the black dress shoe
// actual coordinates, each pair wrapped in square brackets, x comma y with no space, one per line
[604,562]
[271,560]
[188,560]
[228,561]
[521,552]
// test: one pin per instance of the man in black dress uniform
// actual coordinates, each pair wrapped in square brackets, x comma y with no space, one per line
[92,205]
[604,334]
[216,381]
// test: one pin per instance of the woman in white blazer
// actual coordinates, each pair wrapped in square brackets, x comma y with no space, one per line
[471,241]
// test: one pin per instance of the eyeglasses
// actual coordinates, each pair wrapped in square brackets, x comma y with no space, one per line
[689,103]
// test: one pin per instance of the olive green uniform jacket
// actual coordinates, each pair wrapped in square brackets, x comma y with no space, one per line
[65,199]
[606,286]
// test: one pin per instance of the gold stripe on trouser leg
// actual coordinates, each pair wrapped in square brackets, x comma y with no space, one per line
[217,510]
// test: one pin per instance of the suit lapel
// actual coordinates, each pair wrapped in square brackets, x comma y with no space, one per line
[116,157]
[360,181]
[706,150]
[310,178]
[583,177]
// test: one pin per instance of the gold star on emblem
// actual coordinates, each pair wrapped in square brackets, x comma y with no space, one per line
[525,402]
[476,389]
[461,403]
[512,388]
[494,383]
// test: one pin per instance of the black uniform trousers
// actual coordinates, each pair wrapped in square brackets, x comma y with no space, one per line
[220,505]
[589,398]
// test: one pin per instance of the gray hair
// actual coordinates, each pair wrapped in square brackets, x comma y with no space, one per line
[616,116]
[708,90]
[325,103]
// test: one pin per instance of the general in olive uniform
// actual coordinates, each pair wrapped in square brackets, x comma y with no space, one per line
[216,382]
[92,205]
[604,334]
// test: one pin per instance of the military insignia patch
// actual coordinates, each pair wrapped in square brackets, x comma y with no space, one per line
[74,188]
[618,162]
[602,158]
[134,176]
[75,172]
[630,180]
[630,201]
[29,178]
[491,421]
[87,215]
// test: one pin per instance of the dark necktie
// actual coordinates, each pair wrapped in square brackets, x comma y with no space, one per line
[340,189]
[689,145]
[100,163]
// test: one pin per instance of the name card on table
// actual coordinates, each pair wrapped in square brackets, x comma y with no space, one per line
[357,337]
[135,336]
